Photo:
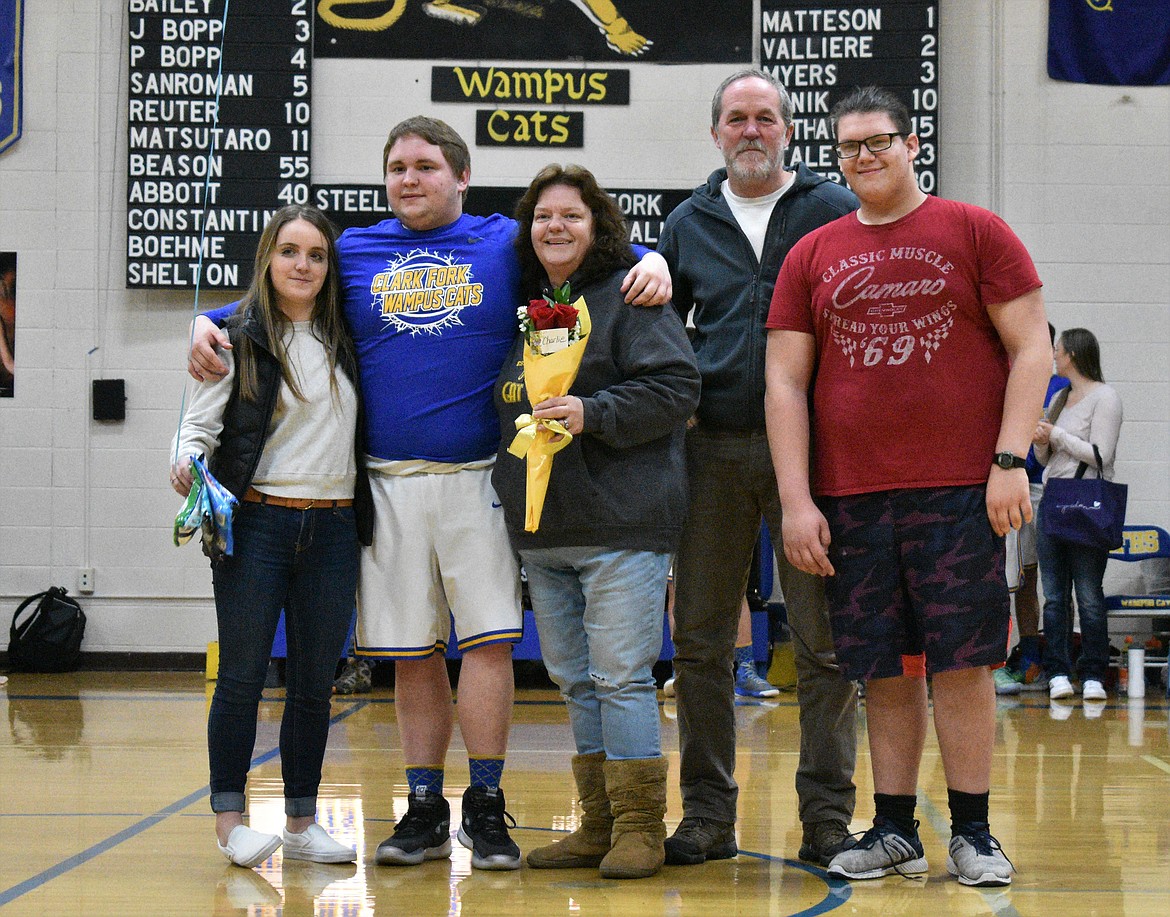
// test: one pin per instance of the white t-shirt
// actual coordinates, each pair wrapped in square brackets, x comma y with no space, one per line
[753,213]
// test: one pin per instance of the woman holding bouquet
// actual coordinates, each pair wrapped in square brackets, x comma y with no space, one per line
[598,552]
[279,433]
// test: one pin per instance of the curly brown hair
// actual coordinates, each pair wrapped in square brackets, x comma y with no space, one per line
[611,236]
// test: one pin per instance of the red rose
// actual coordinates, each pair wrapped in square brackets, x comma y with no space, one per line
[564,316]
[542,315]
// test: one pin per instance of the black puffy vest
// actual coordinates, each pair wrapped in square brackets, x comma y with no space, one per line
[245,426]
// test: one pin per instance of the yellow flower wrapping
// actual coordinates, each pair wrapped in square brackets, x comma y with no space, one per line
[546,377]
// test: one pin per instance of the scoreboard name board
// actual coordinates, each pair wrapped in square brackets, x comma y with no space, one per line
[220,111]
[218,134]
[821,51]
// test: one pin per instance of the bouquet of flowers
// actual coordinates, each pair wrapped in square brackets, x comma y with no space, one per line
[551,323]
[555,334]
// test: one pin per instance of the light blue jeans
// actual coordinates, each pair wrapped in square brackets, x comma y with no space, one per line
[599,616]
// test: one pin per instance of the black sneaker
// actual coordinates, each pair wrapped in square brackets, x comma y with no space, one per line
[484,830]
[424,833]
[697,840]
[355,678]
[823,840]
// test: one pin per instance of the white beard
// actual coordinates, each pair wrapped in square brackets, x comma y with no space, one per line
[760,170]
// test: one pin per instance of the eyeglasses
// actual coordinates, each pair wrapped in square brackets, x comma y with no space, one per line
[878,143]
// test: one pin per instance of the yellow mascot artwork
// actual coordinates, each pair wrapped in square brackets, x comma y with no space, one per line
[602,13]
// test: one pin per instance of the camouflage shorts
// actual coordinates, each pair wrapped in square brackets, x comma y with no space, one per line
[919,584]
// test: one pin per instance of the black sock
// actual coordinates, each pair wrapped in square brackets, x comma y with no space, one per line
[898,809]
[967,808]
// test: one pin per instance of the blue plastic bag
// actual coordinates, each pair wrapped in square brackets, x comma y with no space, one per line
[208,509]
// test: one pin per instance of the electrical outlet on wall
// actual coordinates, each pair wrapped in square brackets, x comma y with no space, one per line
[85,580]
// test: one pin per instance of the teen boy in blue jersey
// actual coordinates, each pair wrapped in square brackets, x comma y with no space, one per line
[430,297]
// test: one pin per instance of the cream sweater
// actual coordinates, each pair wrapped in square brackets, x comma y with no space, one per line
[1095,420]
[308,453]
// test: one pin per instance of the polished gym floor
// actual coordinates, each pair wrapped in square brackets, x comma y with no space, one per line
[104,811]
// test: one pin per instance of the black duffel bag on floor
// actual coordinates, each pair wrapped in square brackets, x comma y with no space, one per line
[48,640]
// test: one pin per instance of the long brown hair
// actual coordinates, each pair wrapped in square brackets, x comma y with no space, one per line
[1082,348]
[260,305]
[611,237]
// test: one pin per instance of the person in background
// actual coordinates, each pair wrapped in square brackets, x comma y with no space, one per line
[597,564]
[1087,415]
[279,432]
[1027,674]
[748,681]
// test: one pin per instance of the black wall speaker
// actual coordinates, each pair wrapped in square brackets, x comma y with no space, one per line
[109,399]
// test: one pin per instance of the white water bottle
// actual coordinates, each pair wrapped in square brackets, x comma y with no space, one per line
[1137,671]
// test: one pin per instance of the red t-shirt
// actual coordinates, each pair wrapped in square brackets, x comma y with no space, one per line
[910,376]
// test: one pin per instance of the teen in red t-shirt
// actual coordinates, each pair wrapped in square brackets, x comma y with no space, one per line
[918,327]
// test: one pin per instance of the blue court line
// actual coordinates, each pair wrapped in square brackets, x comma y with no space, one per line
[123,698]
[34,882]
[839,890]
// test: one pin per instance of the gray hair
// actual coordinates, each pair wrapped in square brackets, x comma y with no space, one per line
[748,73]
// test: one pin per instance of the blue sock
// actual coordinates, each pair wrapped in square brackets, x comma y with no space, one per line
[425,780]
[486,772]
[743,656]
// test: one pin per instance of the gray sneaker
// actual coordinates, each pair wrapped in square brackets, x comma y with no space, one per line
[881,851]
[974,857]
[697,840]
[748,683]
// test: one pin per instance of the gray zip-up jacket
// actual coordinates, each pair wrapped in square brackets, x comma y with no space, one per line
[715,272]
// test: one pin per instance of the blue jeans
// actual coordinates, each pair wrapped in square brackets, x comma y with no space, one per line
[306,562]
[599,616]
[1064,568]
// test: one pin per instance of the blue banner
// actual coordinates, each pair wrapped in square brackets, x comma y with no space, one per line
[11,36]
[1111,42]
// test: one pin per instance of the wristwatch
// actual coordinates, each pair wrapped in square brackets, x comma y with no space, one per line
[1009,460]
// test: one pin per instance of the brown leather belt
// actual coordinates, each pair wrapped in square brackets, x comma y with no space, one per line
[252,495]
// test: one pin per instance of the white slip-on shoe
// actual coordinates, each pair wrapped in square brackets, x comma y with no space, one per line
[1060,687]
[1093,690]
[248,848]
[315,845]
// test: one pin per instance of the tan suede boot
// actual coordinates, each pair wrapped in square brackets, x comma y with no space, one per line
[637,797]
[586,846]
